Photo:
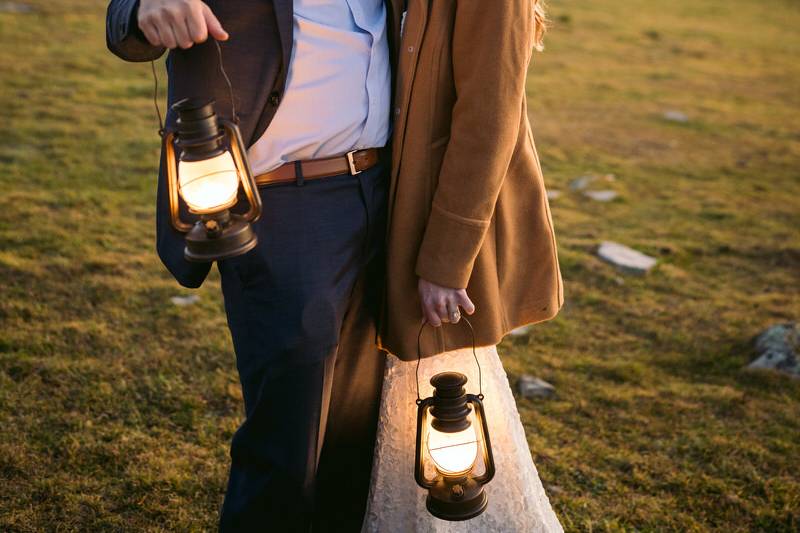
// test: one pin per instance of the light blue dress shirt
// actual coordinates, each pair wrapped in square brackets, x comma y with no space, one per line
[338,88]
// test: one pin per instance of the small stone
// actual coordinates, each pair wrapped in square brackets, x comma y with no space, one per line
[626,259]
[183,301]
[554,490]
[14,7]
[604,195]
[533,387]
[778,348]
[675,116]
[521,331]
[553,194]
[581,182]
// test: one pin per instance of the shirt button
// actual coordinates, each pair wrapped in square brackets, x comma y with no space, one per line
[410,49]
[274,98]
[396,110]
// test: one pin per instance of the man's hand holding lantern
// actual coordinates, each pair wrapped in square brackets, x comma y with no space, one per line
[178,23]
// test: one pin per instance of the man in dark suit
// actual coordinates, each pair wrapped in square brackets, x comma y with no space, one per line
[312,83]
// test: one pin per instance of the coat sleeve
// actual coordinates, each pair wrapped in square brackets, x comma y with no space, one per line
[123,36]
[492,47]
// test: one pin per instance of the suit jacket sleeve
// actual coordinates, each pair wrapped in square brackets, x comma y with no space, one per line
[123,36]
[491,52]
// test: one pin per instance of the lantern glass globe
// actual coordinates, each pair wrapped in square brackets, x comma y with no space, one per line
[209,185]
[453,453]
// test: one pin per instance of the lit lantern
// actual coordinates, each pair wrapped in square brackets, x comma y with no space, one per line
[207,176]
[451,432]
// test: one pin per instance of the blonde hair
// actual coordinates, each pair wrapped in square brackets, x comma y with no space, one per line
[539,24]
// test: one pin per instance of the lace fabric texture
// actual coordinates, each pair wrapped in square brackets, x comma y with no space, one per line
[517,501]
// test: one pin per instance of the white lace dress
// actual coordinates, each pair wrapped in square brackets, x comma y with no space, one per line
[517,501]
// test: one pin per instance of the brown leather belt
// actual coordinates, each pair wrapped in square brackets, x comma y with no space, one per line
[352,163]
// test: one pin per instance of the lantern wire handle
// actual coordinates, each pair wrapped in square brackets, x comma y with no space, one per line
[155,99]
[234,116]
[222,71]
[474,354]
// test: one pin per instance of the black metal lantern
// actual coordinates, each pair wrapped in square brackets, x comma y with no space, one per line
[451,433]
[207,176]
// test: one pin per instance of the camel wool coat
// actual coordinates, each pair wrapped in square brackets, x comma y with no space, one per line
[467,202]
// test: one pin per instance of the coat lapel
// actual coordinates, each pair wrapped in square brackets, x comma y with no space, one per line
[284,13]
[394,15]
[415,25]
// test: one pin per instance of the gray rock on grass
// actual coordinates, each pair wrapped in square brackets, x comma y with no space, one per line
[15,7]
[533,387]
[778,348]
[553,194]
[603,195]
[554,490]
[624,258]
[183,301]
[581,182]
[676,116]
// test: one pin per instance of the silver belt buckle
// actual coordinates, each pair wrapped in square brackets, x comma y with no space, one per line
[352,163]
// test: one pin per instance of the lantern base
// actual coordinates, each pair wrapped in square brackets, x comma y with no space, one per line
[456,501]
[234,236]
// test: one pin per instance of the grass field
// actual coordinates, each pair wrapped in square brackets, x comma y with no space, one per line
[116,407]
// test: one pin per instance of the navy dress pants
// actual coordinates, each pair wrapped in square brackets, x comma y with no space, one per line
[301,309]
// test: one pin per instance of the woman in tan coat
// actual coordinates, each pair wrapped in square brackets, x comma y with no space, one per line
[469,230]
[469,225]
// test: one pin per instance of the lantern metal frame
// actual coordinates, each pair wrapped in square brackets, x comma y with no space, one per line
[217,235]
[457,496]
[249,184]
